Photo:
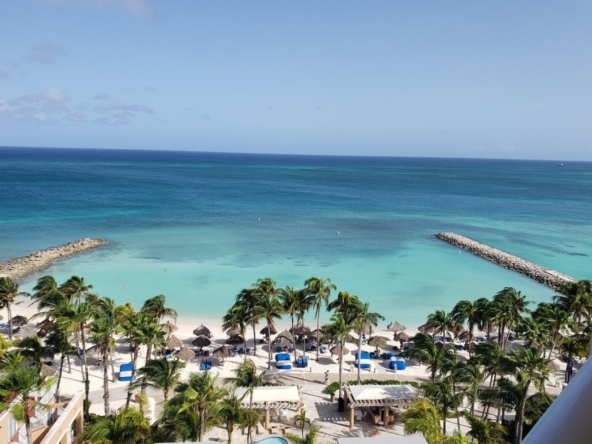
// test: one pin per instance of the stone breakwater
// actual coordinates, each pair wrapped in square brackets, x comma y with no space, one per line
[20,267]
[550,278]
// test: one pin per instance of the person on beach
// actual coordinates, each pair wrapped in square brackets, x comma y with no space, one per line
[326,377]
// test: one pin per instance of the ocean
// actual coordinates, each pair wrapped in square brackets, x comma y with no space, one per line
[198,227]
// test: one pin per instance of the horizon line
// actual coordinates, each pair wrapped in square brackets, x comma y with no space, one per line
[293,154]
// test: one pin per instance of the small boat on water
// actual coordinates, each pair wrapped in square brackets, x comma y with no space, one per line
[559,164]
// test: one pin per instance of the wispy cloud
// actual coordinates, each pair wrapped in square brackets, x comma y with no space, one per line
[46,54]
[107,107]
[102,96]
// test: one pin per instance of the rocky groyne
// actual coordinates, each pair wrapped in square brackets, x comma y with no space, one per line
[550,278]
[20,267]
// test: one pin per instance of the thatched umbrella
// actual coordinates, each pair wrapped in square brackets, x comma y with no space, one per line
[186,354]
[378,342]
[339,348]
[267,331]
[466,336]
[235,340]
[92,351]
[367,330]
[28,331]
[19,321]
[320,331]
[300,330]
[47,370]
[284,338]
[233,332]
[169,328]
[201,341]
[396,327]
[402,337]
[222,353]
[174,342]
[202,330]
[426,329]
[554,366]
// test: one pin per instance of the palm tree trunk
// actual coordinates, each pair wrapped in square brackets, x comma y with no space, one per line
[520,415]
[553,345]
[112,364]
[28,429]
[268,345]
[340,365]
[105,382]
[249,436]
[294,341]
[69,365]
[318,332]
[359,351]
[57,392]
[255,341]
[148,353]
[201,422]
[135,360]
[86,378]
[9,320]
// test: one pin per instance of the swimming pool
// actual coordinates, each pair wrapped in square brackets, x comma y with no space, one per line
[272,440]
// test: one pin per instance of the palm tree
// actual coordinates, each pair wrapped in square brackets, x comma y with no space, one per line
[25,382]
[490,356]
[574,347]
[75,287]
[339,329]
[528,366]
[160,374]
[576,299]
[507,308]
[469,375]
[555,319]
[232,414]
[485,431]
[153,336]
[443,397]
[362,318]
[246,376]
[320,289]
[74,319]
[303,304]
[345,304]
[45,285]
[34,349]
[441,322]
[127,426]
[268,307]
[424,418]
[236,319]
[248,298]
[303,420]
[310,437]
[59,343]
[9,290]
[473,313]
[200,396]
[289,299]
[437,356]
[156,306]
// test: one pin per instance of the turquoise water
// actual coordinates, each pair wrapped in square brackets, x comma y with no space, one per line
[217,222]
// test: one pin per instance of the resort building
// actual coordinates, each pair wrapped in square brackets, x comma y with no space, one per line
[57,425]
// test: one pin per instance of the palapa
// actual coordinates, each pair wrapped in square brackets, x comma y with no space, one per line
[202,330]
[201,341]
[235,340]
[28,331]
[321,332]
[466,336]
[338,349]
[554,366]
[396,327]
[186,354]
[174,342]
[47,370]
[222,353]
[284,338]
[271,328]
[425,328]
[402,337]
[378,342]
[19,321]
[169,328]
[300,330]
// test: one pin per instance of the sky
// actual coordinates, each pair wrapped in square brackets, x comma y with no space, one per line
[462,78]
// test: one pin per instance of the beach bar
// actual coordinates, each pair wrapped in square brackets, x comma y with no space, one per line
[383,397]
[272,398]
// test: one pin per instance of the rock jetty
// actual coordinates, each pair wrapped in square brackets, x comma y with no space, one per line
[550,278]
[20,267]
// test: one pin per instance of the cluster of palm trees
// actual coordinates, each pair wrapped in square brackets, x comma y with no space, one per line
[265,302]
[496,375]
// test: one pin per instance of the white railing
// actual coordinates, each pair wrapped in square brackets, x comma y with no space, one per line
[567,421]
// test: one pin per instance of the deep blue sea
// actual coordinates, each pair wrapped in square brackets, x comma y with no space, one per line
[217,222]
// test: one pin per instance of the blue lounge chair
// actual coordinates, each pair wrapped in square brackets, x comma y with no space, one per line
[279,349]
[323,349]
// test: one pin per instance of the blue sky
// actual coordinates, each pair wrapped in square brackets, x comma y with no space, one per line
[403,78]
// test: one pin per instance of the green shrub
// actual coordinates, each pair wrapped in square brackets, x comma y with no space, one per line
[332,388]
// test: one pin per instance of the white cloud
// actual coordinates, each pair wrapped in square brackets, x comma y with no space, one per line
[55,95]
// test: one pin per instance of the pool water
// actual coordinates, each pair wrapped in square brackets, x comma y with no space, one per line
[272,440]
